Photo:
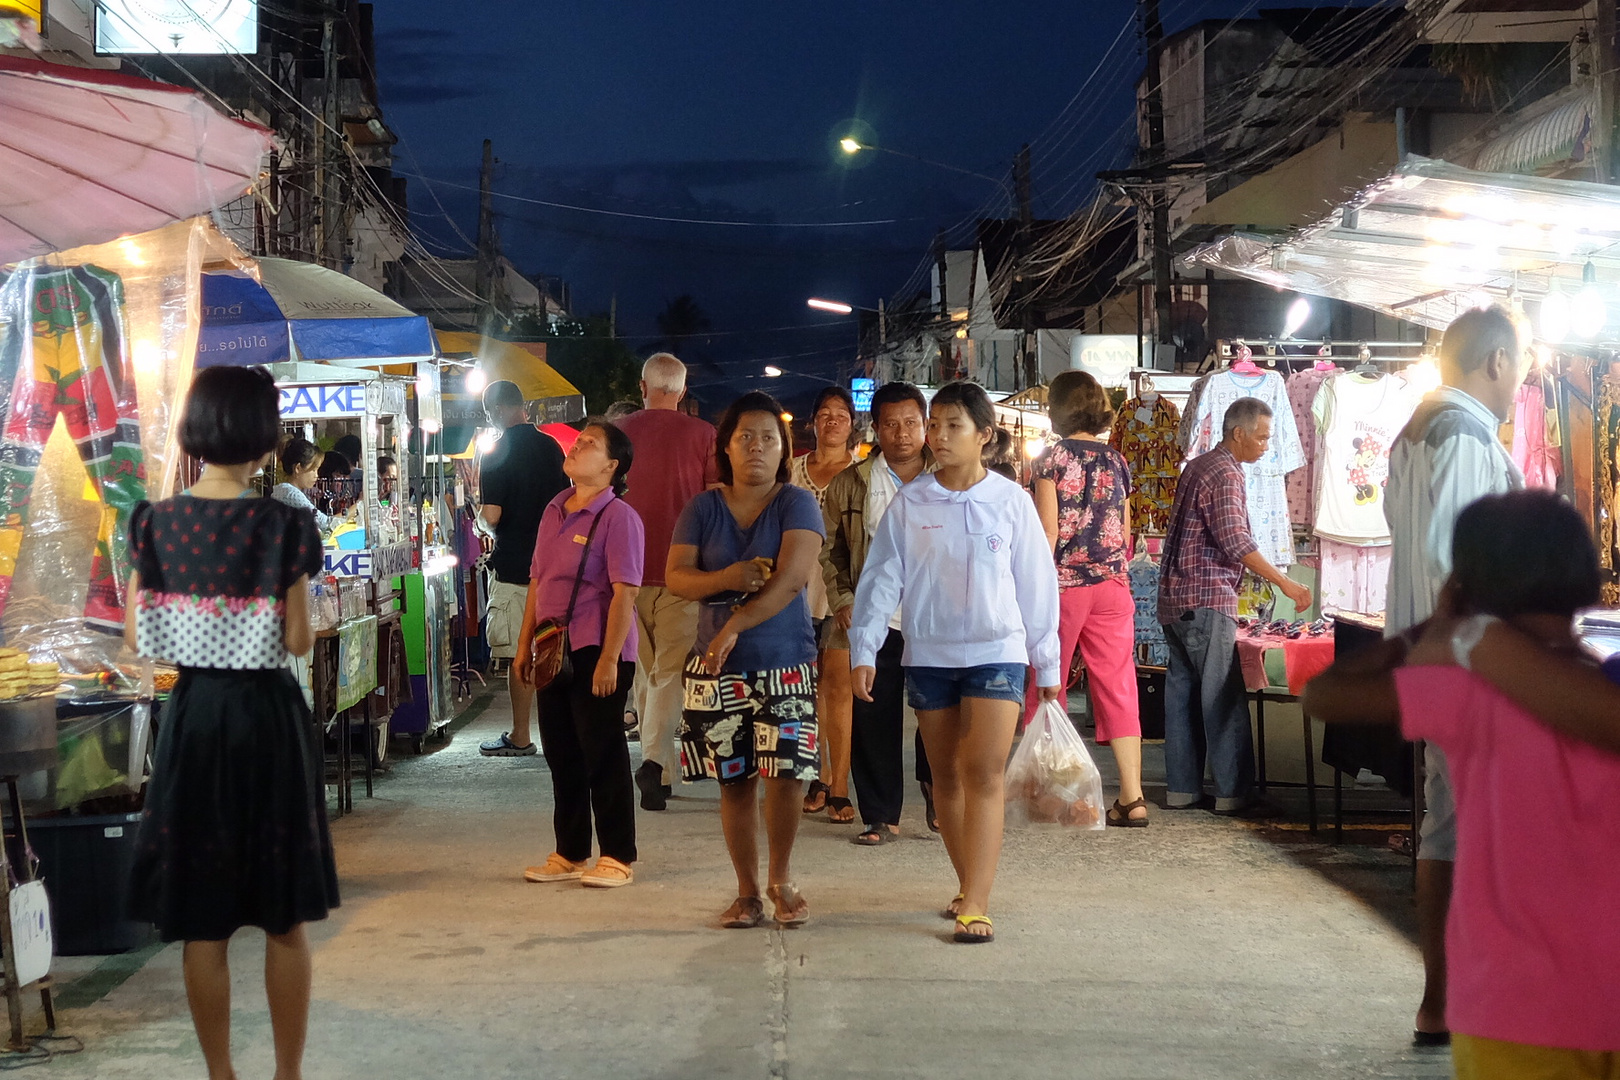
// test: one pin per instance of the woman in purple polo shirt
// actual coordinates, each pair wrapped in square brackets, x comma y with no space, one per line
[581,716]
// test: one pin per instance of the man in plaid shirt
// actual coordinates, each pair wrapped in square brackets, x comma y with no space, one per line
[1205,553]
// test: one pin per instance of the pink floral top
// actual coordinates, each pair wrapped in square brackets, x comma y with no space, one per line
[1092,482]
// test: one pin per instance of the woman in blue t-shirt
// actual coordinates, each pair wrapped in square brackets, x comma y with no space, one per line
[746,550]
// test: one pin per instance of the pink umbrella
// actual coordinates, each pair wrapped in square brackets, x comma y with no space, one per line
[89,156]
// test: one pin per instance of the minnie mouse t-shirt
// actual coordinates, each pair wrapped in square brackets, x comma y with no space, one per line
[214,578]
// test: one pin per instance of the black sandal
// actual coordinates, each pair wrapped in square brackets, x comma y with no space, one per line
[928,804]
[815,797]
[840,811]
[876,836]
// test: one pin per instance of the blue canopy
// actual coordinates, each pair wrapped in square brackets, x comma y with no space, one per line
[303,312]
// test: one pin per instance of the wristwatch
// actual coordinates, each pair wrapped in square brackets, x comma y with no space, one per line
[1467,636]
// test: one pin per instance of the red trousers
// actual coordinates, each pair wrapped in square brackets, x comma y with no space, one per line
[1101,621]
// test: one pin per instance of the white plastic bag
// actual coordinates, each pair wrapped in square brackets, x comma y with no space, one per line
[1051,777]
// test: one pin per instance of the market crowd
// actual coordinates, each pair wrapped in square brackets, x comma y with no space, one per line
[767,618]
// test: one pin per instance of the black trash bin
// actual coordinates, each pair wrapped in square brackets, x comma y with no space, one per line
[85,863]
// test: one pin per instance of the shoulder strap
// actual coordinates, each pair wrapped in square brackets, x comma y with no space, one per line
[579,575]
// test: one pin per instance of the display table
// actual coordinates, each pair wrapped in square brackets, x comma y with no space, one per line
[1302,658]
[343,673]
[1276,669]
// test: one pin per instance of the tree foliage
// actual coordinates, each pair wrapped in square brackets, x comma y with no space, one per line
[585,352]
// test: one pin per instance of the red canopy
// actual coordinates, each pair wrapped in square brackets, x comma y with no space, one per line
[564,434]
[88,156]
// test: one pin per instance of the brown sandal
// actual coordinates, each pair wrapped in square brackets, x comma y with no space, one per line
[788,899]
[1124,819]
[745,913]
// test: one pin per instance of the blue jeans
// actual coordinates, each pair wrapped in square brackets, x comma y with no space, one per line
[930,689]
[1206,712]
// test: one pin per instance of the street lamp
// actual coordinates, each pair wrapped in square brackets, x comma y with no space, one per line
[830,305]
[852,146]
[772,371]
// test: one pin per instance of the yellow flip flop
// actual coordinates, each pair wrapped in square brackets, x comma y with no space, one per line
[964,936]
[946,912]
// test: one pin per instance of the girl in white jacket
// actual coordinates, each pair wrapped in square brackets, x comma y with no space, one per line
[963,555]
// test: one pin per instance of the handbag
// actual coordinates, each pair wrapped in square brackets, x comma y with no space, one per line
[550,658]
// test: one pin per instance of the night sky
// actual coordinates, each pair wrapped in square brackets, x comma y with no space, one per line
[731,111]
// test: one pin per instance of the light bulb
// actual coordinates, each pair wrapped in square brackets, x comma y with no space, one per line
[1555,316]
[1298,312]
[487,442]
[1033,447]
[1588,313]
[475,381]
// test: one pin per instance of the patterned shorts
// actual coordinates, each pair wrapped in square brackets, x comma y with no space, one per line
[756,723]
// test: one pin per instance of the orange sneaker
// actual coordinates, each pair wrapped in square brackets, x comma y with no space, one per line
[608,873]
[556,868]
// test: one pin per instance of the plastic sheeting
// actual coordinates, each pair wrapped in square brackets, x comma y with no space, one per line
[1433,239]
[96,349]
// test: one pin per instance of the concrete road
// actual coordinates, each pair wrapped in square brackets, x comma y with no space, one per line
[1198,948]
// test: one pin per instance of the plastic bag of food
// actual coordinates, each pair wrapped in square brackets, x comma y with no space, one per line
[1051,778]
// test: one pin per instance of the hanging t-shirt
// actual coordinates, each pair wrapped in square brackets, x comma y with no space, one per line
[1357,419]
[1145,431]
[1537,445]
[1264,481]
[1301,483]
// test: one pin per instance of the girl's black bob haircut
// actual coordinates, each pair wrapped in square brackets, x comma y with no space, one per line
[1524,553]
[232,415]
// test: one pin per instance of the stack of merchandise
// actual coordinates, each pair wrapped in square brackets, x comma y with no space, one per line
[20,676]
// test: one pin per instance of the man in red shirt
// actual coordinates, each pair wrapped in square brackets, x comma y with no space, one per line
[1209,545]
[674,461]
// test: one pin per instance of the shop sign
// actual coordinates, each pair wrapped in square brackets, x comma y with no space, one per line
[179,27]
[1108,358]
[323,402]
[385,398]
[31,932]
[861,390]
[383,562]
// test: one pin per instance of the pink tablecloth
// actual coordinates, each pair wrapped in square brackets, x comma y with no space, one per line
[1304,658]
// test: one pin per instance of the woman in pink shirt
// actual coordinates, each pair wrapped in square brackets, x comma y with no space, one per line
[1532,732]
[587,569]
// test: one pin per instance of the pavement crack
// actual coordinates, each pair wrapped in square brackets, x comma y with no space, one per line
[776,1003]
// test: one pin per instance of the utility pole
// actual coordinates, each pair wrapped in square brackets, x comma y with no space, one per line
[1606,53]
[946,367]
[487,245]
[330,246]
[1158,202]
[1021,185]
[1028,371]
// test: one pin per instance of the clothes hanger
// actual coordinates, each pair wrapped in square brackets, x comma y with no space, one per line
[1243,363]
[1324,356]
[1146,391]
[1367,369]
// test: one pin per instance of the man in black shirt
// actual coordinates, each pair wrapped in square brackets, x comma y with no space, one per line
[518,479]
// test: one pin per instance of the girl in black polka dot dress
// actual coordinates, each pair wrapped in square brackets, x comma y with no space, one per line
[234,833]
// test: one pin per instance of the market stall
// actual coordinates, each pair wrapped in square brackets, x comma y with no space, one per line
[1425,243]
[472,362]
[323,335]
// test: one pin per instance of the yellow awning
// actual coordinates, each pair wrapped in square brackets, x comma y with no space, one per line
[1302,189]
[512,362]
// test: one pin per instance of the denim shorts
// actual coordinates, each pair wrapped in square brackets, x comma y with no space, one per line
[934,688]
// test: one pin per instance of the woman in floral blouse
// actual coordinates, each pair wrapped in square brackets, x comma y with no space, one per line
[1081,487]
